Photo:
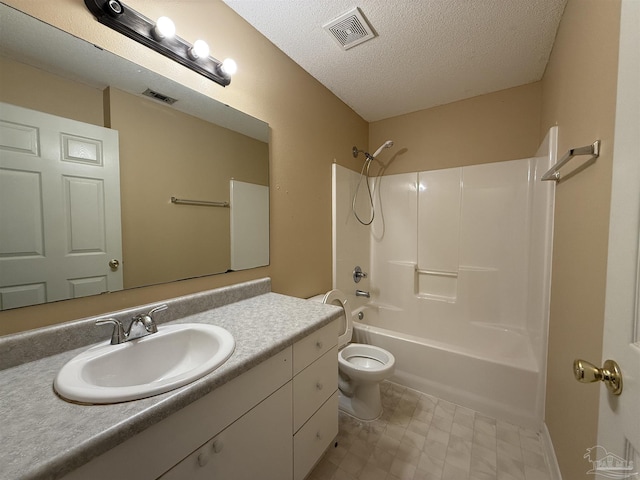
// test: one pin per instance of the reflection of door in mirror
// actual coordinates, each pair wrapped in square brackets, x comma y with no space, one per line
[59,208]
[249,225]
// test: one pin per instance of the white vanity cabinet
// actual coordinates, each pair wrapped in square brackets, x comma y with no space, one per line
[272,422]
[315,397]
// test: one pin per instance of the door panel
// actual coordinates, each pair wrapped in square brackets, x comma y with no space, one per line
[84,209]
[21,234]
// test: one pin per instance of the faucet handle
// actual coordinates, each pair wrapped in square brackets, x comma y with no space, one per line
[118,336]
[159,308]
[358,274]
[148,321]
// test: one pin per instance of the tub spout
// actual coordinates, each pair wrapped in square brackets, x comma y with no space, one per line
[362,293]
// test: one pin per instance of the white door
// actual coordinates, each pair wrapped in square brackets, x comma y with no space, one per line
[59,208]
[617,454]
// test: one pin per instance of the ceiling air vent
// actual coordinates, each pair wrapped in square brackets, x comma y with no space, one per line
[159,96]
[350,29]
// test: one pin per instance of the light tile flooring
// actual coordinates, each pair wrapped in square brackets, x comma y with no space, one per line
[420,437]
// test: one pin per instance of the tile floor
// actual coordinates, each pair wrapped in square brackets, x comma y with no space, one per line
[420,437]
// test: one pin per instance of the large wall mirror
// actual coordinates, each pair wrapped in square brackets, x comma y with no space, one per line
[89,165]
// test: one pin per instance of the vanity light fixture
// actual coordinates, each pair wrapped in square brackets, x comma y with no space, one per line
[160,36]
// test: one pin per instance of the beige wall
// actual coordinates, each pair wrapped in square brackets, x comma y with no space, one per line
[36,89]
[579,94]
[165,153]
[310,128]
[489,128]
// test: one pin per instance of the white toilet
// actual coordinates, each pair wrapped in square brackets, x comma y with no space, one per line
[361,368]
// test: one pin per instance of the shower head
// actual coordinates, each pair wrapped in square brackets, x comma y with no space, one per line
[387,144]
[369,157]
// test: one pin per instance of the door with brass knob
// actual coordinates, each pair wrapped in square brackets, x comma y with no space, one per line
[610,374]
[619,415]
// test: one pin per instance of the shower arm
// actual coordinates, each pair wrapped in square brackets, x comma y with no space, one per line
[357,151]
[367,155]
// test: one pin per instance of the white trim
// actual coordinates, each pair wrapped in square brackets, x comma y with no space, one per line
[550,454]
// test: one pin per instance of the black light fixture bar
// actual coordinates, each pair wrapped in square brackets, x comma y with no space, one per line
[116,15]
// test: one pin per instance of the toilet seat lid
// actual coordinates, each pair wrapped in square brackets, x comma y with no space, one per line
[336,297]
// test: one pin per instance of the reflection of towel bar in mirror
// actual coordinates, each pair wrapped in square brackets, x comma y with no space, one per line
[202,203]
[554,172]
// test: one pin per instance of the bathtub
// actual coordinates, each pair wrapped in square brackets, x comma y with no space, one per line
[490,370]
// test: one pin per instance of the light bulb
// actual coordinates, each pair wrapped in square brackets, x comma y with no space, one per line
[165,28]
[229,66]
[200,49]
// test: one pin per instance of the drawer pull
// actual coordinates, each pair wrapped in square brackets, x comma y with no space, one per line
[318,436]
[319,386]
[319,344]
[216,446]
[203,459]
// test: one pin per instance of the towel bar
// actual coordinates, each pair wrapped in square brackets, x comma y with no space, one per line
[554,173]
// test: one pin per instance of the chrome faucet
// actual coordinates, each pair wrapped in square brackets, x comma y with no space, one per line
[141,326]
[362,293]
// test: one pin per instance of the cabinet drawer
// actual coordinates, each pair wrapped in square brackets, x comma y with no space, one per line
[313,386]
[314,437]
[313,346]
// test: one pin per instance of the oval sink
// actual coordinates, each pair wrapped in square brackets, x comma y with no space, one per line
[172,357]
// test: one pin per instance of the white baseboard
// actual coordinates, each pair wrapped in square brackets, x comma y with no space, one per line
[550,453]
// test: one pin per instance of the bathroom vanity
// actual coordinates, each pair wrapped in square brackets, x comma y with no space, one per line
[268,412]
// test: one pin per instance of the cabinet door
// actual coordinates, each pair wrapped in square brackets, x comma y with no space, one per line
[314,437]
[313,386]
[256,446]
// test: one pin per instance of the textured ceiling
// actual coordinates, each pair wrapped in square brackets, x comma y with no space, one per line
[426,53]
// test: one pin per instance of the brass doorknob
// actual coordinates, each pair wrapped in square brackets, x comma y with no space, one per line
[610,374]
[114,264]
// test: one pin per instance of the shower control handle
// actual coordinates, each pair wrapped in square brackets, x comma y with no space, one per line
[358,274]
[610,374]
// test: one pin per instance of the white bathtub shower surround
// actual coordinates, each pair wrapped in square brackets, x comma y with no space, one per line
[459,265]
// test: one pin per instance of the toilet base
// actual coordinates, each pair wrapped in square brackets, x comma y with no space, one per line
[364,404]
